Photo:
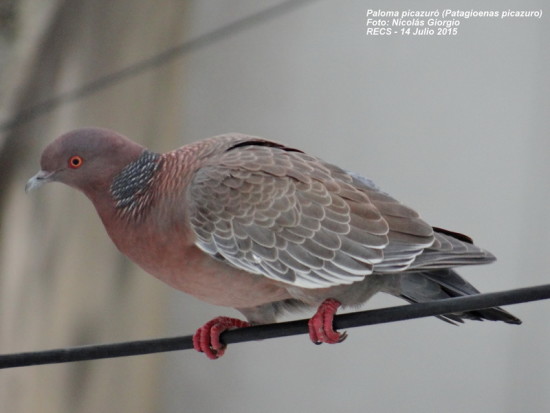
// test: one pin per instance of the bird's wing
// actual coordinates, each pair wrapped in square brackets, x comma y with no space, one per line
[278,212]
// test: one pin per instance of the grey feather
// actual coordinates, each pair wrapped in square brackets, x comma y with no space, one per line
[424,286]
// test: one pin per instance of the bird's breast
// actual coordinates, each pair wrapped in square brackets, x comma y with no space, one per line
[171,256]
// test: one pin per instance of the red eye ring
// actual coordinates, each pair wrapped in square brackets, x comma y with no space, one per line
[75,162]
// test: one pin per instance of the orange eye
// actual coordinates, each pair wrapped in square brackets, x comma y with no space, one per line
[75,162]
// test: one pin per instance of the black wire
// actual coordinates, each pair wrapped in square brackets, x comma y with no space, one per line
[263,332]
[46,106]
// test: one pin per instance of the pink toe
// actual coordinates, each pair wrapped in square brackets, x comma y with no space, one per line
[321,328]
[207,338]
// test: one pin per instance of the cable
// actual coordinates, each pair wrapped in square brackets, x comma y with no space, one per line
[267,331]
[46,106]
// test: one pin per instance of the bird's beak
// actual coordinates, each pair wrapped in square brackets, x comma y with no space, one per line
[41,178]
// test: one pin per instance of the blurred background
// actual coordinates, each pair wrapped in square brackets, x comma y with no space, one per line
[455,127]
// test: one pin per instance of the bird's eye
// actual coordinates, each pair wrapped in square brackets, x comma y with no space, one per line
[75,162]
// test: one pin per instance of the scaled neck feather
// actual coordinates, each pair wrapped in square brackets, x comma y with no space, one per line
[131,187]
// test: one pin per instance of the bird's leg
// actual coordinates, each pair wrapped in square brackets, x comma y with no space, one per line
[207,338]
[320,325]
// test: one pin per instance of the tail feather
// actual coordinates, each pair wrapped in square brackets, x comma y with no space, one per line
[424,286]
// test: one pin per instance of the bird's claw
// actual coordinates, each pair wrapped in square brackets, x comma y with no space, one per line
[320,325]
[207,338]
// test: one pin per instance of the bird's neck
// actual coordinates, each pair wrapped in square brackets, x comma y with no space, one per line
[126,195]
[149,189]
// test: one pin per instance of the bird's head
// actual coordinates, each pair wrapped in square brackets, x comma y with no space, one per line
[86,159]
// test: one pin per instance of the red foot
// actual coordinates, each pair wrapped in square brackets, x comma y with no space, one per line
[207,338]
[320,325]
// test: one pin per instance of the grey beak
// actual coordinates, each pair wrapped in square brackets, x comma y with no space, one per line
[41,178]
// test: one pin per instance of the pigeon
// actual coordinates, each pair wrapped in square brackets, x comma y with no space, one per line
[248,223]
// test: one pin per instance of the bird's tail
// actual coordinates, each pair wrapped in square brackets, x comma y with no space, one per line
[430,285]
